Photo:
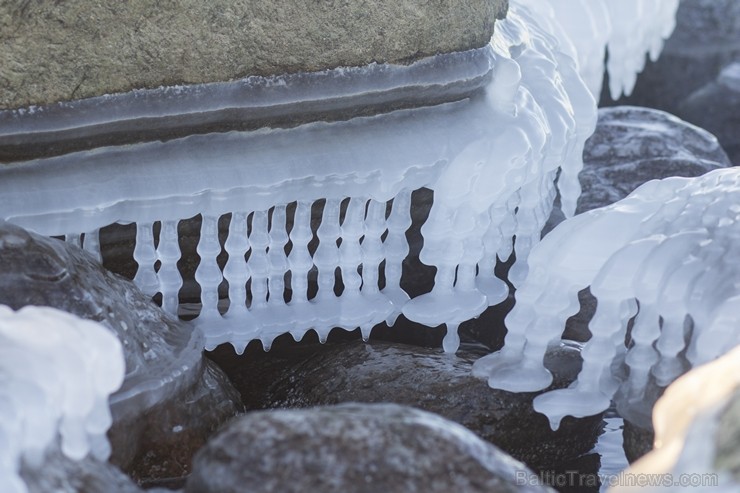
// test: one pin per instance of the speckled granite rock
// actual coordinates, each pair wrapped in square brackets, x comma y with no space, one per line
[359,448]
[55,51]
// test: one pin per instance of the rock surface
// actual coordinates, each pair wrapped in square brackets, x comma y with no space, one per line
[299,377]
[56,51]
[164,363]
[715,107]
[634,145]
[706,38]
[353,447]
[59,474]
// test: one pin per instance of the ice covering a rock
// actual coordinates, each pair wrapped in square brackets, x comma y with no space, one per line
[56,373]
[663,265]
[626,29]
[493,160]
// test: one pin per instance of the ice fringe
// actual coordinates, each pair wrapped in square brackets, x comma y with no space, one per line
[667,260]
[626,29]
[57,372]
[492,161]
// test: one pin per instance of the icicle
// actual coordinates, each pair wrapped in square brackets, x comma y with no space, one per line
[239,326]
[169,278]
[300,263]
[353,312]
[396,249]
[326,260]
[92,244]
[74,239]
[208,275]
[145,255]
[276,318]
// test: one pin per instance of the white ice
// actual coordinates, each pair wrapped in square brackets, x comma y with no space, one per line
[668,256]
[495,161]
[56,373]
[629,30]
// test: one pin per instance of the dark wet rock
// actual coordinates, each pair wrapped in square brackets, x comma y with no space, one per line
[60,474]
[164,362]
[715,107]
[706,38]
[428,379]
[353,447]
[56,51]
[637,440]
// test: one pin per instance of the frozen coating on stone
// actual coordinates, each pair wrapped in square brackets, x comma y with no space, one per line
[56,51]
[56,373]
[670,248]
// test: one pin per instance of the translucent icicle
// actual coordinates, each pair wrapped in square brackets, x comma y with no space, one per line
[92,244]
[208,275]
[170,280]
[145,255]
[326,260]
[396,249]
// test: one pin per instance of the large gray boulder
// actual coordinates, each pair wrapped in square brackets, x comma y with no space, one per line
[428,379]
[357,448]
[56,51]
[154,433]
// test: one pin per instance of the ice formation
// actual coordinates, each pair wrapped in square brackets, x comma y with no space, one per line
[667,256]
[627,29]
[508,129]
[56,373]
[492,160]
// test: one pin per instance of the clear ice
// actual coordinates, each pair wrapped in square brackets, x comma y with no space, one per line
[55,388]
[495,160]
[665,260]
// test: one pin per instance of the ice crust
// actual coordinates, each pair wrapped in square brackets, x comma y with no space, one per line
[492,160]
[56,373]
[667,256]
[495,161]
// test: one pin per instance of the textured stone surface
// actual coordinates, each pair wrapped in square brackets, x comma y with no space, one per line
[54,51]
[428,379]
[164,364]
[354,447]
[634,145]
